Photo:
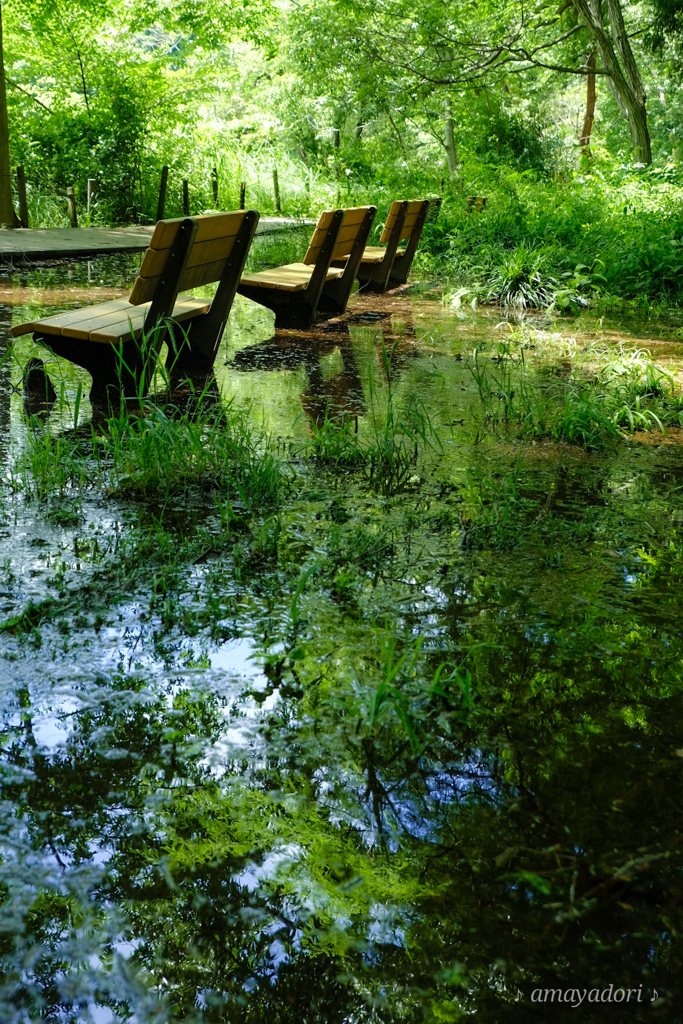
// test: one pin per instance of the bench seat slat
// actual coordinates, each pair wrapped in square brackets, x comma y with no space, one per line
[107,324]
[292,277]
[126,329]
[375,253]
[54,324]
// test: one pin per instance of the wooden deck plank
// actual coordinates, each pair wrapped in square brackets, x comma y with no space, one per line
[29,245]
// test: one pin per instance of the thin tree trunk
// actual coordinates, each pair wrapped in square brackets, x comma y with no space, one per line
[398,135]
[8,218]
[585,140]
[625,82]
[449,136]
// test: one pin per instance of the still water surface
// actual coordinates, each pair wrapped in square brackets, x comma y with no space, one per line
[399,752]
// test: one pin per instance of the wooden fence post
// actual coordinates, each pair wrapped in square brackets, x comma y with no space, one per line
[186,197]
[92,185]
[21,192]
[214,187]
[243,194]
[276,189]
[71,203]
[162,193]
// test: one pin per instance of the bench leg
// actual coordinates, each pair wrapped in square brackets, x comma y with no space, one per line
[369,284]
[290,309]
[184,357]
[113,371]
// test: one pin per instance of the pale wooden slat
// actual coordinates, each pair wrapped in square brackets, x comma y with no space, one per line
[192,277]
[99,319]
[209,226]
[315,246]
[373,254]
[342,250]
[196,277]
[153,263]
[80,323]
[123,327]
[292,277]
[312,254]
[128,328]
[412,212]
[394,211]
[325,219]
[143,290]
[347,233]
[164,233]
[20,329]
[408,225]
[218,225]
[355,215]
[211,251]
[54,324]
[318,237]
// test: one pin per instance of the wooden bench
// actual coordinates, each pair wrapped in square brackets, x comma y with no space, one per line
[385,265]
[296,292]
[476,203]
[434,209]
[117,342]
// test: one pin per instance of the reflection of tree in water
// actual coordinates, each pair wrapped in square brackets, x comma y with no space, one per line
[5,378]
[398,341]
[372,853]
[527,832]
[338,396]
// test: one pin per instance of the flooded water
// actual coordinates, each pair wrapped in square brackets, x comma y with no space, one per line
[352,692]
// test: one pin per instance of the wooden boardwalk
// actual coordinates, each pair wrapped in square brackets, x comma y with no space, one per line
[28,245]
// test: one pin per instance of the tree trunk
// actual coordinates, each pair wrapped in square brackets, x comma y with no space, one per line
[625,81]
[449,135]
[8,217]
[585,140]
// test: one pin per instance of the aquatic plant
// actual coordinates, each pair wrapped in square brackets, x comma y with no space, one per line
[400,431]
[629,393]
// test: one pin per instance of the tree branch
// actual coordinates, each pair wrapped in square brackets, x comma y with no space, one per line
[30,95]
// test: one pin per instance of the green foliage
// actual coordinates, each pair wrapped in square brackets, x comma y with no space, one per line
[163,450]
[629,393]
[563,243]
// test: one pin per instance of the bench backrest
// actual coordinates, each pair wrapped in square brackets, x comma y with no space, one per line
[348,232]
[414,207]
[212,245]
